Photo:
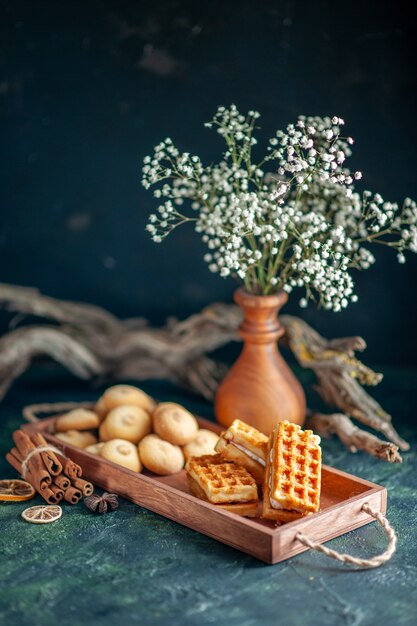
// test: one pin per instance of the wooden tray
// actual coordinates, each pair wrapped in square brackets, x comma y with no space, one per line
[342,497]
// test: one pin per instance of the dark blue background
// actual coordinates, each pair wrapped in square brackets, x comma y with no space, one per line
[87,88]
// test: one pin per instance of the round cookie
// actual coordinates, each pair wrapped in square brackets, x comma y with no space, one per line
[174,423]
[100,408]
[77,438]
[123,453]
[202,444]
[102,432]
[126,422]
[160,456]
[95,448]
[78,419]
[120,395]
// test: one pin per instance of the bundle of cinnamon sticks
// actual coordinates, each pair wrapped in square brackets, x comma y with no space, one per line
[54,476]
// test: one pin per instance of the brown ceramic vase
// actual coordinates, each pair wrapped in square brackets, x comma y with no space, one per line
[260,388]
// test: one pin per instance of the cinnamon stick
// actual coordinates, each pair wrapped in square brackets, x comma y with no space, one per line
[66,465]
[52,489]
[50,459]
[71,469]
[35,464]
[49,496]
[39,482]
[63,482]
[14,453]
[83,485]
[72,495]
[46,493]
[58,493]
[14,462]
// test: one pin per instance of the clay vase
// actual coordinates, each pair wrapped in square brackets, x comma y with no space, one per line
[260,389]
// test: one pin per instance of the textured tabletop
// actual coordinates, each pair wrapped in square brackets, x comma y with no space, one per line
[134,567]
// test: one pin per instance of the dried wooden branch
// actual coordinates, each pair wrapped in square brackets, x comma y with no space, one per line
[19,347]
[353,437]
[340,375]
[93,344]
[107,348]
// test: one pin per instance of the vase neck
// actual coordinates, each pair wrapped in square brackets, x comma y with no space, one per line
[260,322]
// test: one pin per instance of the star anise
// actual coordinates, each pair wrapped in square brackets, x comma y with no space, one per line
[102,504]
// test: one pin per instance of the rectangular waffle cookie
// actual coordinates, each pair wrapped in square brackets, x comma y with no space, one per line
[221,482]
[293,473]
[245,509]
[246,446]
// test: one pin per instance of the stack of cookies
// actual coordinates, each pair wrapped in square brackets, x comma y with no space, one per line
[129,428]
[284,468]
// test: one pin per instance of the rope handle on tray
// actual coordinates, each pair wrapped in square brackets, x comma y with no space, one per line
[31,412]
[376,561]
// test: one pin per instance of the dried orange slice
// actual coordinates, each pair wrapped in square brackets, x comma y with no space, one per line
[16,490]
[42,514]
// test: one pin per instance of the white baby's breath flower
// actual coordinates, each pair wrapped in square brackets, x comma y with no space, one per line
[302,226]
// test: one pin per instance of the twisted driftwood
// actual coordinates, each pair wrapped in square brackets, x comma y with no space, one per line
[94,344]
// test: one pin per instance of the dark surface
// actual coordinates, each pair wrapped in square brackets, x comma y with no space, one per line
[133,567]
[87,88]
